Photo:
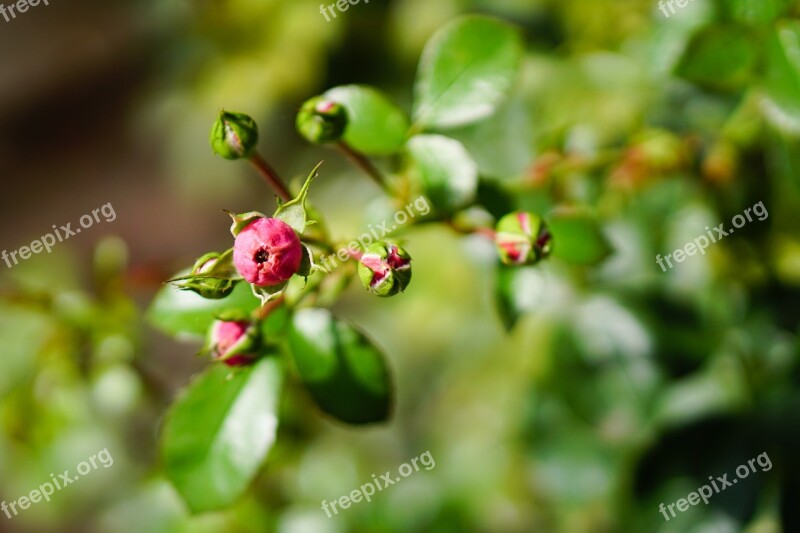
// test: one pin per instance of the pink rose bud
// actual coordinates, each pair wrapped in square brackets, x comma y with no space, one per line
[267,252]
[522,238]
[234,342]
[385,269]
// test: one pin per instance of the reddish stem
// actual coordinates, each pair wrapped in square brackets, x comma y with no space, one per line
[269,307]
[270,176]
[362,162]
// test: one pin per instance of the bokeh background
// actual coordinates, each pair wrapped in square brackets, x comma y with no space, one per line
[620,387]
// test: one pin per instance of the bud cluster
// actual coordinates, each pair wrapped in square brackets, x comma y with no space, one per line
[268,251]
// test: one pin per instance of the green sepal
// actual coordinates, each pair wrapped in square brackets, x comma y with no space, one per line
[266,294]
[213,276]
[307,264]
[294,212]
[242,220]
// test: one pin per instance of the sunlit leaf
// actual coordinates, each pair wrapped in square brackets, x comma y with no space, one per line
[218,433]
[466,71]
[375,125]
[446,171]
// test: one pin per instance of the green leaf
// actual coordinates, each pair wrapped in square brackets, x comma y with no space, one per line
[273,327]
[518,291]
[23,334]
[504,145]
[782,83]
[218,433]
[375,125]
[467,70]
[577,238]
[497,201]
[446,171]
[341,368]
[719,57]
[294,212]
[177,312]
[756,11]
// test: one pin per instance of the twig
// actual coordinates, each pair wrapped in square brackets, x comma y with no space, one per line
[270,176]
[362,162]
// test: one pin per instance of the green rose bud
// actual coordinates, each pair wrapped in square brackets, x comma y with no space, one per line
[385,269]
[321,120]
[233,135]
[211,288]
[522,238]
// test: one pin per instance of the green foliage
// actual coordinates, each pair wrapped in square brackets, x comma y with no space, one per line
[22,332]
[756,11]
[720,56]
[466,72]
[782,80]
[606,386]
[375,125]
[445,170]
[180,313]
[512,293]
[578,239]
[218,433]
[340,367]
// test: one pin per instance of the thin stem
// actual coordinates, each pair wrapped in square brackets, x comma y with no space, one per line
[270,176]
[313,241]
[363,163]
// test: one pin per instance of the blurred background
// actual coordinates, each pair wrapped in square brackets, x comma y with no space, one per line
[621,386]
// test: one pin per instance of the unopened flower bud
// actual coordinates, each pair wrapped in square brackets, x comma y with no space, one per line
[211,288]
[234,342]
[233,135]
[267,252]
[522,238]
[321,120]
[385,269]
